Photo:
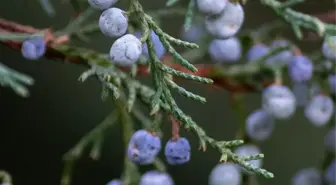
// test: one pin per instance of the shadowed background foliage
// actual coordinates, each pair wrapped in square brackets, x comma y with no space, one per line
[36,131]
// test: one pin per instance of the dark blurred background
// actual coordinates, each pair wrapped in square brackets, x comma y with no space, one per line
[36,131]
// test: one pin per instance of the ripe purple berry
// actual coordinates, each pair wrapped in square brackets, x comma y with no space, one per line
[332,83]
[33,49]
[102,4]
[319,110]
[248,150]
[307,176]
[225,174]
[211,7]
[143,147]
[194,34]
[160,50]
[226,24]
[114,182]
[156,178]
[113,22]
[330,139]
[300,68]
[177,151]
[259,125]
[329,48]
[126,50]
[257,51]
[279,101]
[330,173]
[282,57]
[228,50]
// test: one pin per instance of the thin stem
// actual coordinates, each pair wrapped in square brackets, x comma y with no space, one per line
[175,128]
[76,152]
[130,174]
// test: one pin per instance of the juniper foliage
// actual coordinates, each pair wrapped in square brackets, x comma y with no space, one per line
[125,89]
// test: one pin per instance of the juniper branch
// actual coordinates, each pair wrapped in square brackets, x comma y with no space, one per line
[112,82]
[77,151]
[14,79]
[298,19]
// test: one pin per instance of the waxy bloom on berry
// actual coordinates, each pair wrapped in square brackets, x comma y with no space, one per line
[33,49]
[143,147]
[156,178]
[307,176]
[177,151]
[114,182]
[226,24]
[113,22]
[319,110]
[279,101]
[225,174]
[226,50]
[211,7]
[259,125]
[126,50]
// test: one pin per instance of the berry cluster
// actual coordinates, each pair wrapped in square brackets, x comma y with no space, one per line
[319,109]
[113,22]
[144,146]
[222,21]
[279,102]
[127,49]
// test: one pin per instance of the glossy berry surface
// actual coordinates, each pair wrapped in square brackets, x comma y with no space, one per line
[283,57]
[279,101]
[211,7]
[330,140]
[102,4]
[300,68]
[329,48]
[228,50]
[160,50]
[143,147]
[301,92]
[247,150]
[225,174]
[113,22]
[226,24]
[256,52]
[307,176]
[156,178]
[259,125]
[177,151]
[319,110]
[33,49]
[330,173]
[126,50]
[332,83]
[114,182]
[194,34]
